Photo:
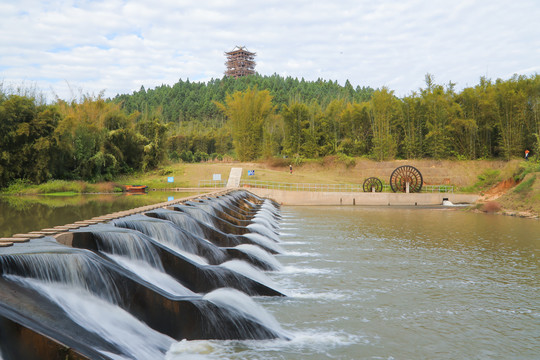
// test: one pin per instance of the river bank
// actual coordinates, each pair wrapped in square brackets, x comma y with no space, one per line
[506,187]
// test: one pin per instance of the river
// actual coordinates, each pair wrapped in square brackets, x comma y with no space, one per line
[399,283]
[382,283]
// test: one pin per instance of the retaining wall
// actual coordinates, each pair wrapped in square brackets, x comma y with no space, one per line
[285,197]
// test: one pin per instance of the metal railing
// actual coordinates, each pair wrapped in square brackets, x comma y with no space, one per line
[316,187]
[212,183]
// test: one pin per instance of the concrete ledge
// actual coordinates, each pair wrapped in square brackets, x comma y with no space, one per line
[26,236]
[285,197]
[14,240]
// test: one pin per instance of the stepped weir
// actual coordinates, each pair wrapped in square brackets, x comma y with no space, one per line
[130,284]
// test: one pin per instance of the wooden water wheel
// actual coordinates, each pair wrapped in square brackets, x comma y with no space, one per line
[404,175]
[373,183]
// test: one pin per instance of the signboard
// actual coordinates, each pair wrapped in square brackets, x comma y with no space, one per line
[251,172]
[170,198]
[170,179]
[216,177]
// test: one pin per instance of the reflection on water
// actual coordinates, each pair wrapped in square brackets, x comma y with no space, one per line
[21,214]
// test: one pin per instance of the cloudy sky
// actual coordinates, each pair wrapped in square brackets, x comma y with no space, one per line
[69,47]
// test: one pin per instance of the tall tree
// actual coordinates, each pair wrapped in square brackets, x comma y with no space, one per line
[439,111]
[412,128]
[247,111]
[296,119]
[385,111]
[357,129]
[512,105]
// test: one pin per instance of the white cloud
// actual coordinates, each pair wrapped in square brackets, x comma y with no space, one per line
[119,45]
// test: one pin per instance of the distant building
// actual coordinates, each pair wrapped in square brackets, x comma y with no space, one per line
[240,62]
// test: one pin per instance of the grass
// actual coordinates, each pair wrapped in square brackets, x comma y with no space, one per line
[60,188]
[64,193]
[486,180]
[329,170]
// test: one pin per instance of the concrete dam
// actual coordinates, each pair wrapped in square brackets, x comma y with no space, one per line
[130,285]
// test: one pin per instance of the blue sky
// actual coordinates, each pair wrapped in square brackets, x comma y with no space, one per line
[68,47]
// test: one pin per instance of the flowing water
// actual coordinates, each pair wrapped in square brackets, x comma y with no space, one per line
[398,283]
[362,283]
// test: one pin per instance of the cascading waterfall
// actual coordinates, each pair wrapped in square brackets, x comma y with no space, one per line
[130,250]
[127,271]
[263,230]
[183,220]
[128,243]
[252,251]
[260,254]
[152,275]
[168,233]
[133,337]
[199,215]
[73,269]
[264,241]
[242,305]
[264,221]
[249,271]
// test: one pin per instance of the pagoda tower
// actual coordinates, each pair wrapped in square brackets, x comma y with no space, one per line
[240,62]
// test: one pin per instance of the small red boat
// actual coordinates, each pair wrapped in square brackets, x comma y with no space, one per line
[136,188]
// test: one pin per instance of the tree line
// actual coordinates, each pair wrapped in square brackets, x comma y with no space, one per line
[255,117]
[91,139]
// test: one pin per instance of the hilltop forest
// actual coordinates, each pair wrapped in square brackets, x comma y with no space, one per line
[257,117]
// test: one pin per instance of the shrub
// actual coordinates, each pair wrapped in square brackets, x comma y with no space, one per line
[186,156]
[17,186]
[165,172]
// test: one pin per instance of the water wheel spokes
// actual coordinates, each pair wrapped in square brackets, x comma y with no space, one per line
[373,184]
[404,177]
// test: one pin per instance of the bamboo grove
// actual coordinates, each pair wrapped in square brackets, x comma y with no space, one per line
[258,117]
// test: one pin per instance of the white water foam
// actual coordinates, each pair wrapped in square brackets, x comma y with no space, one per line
[309,343]
[300,254]
[331,296]
[301,270]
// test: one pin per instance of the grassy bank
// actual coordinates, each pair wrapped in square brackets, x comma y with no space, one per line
[60,188]
[517,195]
[480,176]
[331,170]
